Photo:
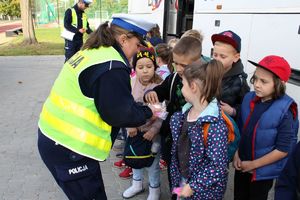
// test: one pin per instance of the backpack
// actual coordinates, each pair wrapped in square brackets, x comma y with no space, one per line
[233,135]
[137,152]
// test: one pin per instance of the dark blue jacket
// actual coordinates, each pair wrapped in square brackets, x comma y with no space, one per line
[288,183]
[265,132]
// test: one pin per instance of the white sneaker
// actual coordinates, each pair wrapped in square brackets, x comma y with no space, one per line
[134,189]
[154,193]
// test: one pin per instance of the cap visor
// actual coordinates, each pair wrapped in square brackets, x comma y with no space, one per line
[255,64]
[144,43]
[224,39]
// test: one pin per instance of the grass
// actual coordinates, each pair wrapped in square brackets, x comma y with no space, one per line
[49,43]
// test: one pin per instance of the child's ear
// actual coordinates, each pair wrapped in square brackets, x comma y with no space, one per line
[236,57]
[194,86]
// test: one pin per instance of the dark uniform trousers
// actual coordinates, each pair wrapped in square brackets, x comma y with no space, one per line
[72,47]
[78,176]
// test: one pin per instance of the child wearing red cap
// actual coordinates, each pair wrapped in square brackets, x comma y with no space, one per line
[269,125]
[227,48]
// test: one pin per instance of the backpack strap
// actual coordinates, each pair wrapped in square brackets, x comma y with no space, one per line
[228,121]
[171,88]
[205,133]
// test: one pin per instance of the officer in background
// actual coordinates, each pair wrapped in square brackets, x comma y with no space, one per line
[89,100]
[76,22]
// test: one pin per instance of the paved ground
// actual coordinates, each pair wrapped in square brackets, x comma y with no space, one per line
[24,84]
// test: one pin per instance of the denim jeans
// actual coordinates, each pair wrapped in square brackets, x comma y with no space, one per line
[153,173]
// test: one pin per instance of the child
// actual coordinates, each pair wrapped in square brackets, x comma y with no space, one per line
[145,79]
[227,48]
[154,36]
[288,183]
[199,165]
[193,33]
[198,35]
[172,42]
[185,52]
[163,60]
[269,124]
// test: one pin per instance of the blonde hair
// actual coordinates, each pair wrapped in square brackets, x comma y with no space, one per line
[193,33]
[172,42]
[188,46]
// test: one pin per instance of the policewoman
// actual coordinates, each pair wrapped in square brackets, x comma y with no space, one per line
[89,100]
[76,21]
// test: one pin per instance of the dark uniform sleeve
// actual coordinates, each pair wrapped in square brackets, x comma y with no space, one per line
[115,103]
[68,21]
[89,30]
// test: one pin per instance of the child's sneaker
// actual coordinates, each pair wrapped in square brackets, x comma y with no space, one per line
[126,173]
[119,164]
[162,164]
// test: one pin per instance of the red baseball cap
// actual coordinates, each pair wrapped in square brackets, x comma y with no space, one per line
[275,64]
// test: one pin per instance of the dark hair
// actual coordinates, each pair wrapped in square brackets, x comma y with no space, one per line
[189,46]
[279,86]
[164,51]
[208,76]
[105,36]
[155,32]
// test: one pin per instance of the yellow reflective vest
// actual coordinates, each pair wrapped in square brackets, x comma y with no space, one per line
[70,118]
[74,19]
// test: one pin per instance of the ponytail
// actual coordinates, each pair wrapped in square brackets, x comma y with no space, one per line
[103,36]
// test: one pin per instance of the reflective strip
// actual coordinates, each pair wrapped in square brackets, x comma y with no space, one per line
[140,157]
[74,18]
[79,111]
[75,132]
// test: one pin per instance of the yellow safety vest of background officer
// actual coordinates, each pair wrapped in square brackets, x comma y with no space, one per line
[76,21]
[89,100]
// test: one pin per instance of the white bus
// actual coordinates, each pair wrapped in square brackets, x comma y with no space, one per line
[268,27]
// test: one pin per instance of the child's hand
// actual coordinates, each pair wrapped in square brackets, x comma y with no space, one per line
[149,135]
[186,191]
[228,109]
[131,132]
[237,161]
[247,166]
[151,97]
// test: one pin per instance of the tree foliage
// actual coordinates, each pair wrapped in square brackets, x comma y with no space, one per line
[10,8]
[111,6]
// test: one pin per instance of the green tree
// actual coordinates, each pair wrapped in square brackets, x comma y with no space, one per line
[10,8]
